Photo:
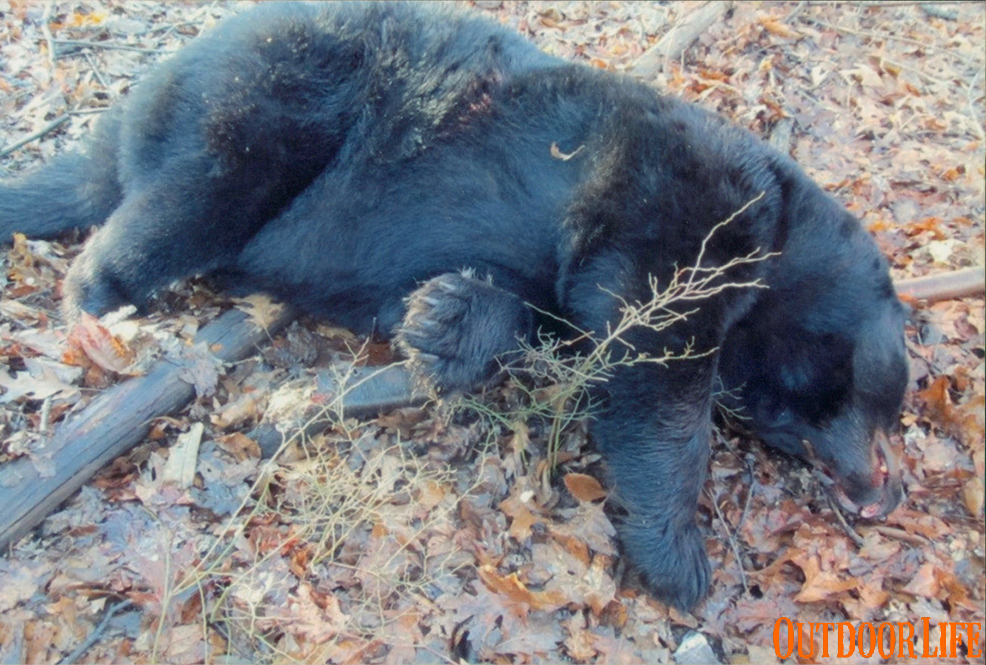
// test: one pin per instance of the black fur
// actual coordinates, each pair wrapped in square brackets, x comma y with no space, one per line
[346,157]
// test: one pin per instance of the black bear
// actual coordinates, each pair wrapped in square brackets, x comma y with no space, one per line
[353,159]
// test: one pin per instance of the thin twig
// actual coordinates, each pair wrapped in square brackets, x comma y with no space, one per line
[45,415]
[168,29]
[46,31]
[900,534]
[969,94]
[165,602]
[749,495]
[795,13]
[106,45]
[54,124]
[851,532]
[882,3]
[95,68]
[732,544]
[914,70]
[97,110]
[887,36]
[96,634]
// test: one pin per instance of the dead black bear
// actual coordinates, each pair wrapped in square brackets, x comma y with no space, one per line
[353,159]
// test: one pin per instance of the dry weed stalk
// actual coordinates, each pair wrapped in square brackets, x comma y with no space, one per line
[340,490]
[571,374]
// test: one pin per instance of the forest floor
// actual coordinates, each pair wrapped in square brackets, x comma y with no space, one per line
[443,534]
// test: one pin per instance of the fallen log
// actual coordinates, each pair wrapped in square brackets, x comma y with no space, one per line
[112,424]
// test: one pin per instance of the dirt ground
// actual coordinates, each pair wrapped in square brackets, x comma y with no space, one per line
[445,533]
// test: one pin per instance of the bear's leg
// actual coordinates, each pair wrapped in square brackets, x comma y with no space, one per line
[457,327]
[185,217]
[652,423]
[76,191]
[654,430]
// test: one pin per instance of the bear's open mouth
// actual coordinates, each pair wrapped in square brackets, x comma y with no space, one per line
[884,478]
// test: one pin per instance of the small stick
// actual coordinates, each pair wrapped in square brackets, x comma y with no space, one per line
[54,124]
[95,68]
[851,532]
[676,41]
[96,634]
[107,45]
[900,534]
[749,493]
[46,31]
[732,544]
[888,36]
[45,415]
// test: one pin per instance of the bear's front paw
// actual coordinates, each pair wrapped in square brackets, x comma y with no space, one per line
[88,289]
[456,326]
[673,565]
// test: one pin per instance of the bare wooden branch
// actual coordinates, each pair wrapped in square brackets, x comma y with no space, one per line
[113,423]
[681,35]
[944,286]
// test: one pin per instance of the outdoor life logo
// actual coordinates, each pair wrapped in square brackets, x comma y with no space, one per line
[885,640]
